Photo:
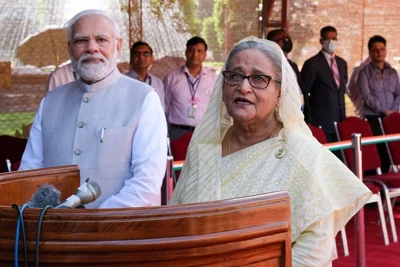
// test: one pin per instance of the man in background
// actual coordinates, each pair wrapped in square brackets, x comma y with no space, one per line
[282,38]
[62,75]
[141,61]
[324,78]
[188,90]
[379,87]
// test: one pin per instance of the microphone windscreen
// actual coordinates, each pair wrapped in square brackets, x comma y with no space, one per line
[46,195]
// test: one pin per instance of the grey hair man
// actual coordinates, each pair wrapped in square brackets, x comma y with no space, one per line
[111,126]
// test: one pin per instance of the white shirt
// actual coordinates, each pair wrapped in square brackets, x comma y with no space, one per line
[149,150]
[328,59]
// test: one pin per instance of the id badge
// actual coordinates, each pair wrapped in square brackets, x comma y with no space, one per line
[192,112]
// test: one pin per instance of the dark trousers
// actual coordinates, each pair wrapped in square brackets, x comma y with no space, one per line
[177,131]
[383,154]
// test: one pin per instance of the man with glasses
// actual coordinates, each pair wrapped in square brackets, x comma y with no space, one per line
[141,60]
[113,127]
[379,87]
[324,78]
[188,90]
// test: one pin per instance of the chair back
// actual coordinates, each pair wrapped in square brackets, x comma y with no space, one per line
[248,231]
[370,156]
[180,146]
[18,187]
[391,125]
[318,133]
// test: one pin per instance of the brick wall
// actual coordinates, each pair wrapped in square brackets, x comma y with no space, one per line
[355,20]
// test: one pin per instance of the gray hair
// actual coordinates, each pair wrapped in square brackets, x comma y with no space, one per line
[89,12]
[270,51]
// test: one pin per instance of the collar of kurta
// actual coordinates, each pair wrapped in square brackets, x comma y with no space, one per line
[102,84]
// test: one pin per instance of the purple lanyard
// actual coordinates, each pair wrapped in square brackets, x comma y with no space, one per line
[149,78]
[192,86]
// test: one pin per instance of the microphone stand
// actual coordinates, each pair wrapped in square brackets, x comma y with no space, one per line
[9,167]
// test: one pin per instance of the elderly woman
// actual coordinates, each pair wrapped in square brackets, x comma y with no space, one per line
[253,140]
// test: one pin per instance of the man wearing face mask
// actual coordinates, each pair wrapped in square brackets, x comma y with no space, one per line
[282,38]
[324,78]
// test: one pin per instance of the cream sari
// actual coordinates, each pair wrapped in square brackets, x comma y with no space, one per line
[318,183]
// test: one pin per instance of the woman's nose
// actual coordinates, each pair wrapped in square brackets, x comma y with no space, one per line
[245,86]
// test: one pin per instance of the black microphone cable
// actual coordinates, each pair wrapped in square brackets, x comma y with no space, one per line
[39,229]
[20,226]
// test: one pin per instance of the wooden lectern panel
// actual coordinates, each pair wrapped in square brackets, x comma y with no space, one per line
[248,231]
[18,187]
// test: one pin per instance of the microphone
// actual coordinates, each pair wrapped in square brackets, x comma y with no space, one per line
[86,193]
[46,194]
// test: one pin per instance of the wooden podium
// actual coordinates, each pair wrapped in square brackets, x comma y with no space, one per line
[248,231]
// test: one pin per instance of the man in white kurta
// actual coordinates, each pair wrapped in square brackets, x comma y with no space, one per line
[112,126]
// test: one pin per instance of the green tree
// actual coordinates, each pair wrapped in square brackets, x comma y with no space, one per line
[182,14]
[209,34]
[219,20]
[234,20]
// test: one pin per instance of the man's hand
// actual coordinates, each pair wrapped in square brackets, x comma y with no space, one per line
[389,112]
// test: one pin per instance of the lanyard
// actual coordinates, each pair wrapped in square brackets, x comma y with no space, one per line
[149,78]
[193,86]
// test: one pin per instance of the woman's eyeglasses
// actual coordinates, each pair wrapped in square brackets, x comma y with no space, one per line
[256,81]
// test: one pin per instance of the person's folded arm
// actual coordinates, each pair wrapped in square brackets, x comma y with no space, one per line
[33,154]
[315,247]
[365,91]
[149,159]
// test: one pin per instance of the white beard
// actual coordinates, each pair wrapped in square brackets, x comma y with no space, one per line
[94,72]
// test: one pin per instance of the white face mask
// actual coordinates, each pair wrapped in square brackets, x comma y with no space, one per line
[330,45]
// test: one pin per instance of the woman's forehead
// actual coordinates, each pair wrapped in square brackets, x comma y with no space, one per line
[251,58]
